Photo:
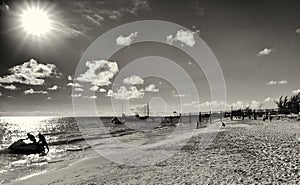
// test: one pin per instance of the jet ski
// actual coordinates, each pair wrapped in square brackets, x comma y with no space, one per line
[20,147]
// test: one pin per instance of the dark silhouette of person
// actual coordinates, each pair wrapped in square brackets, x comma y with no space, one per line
[30,137]
[43,142]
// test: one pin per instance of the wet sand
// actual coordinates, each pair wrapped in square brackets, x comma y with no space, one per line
[242,153]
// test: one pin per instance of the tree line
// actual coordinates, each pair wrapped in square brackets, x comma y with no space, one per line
[287,105]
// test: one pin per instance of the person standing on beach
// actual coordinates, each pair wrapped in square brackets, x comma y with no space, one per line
[43,142]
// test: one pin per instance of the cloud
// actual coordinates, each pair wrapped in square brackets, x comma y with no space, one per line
[179,95]
[70,30]
[90,97]
[30,73]
[184,37]
[9,87]
[96,19]
[126,41]
[31,91]
[241,105]
[94,88]
[53,88]
[151,88]
[75,95]
[298,30]
[296,91]
[99,73]
[70,78]
[265,51]
[271,83]
[78,89]
[90,13]
[95,12]
[133,80]
[138,108]
[102,90]
[126,94]
[207,104]
[74,84]
[281,82]
[268,99]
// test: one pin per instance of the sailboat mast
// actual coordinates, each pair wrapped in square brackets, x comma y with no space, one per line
[148,111]
[122,110]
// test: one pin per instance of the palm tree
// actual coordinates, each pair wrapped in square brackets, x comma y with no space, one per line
[288,105]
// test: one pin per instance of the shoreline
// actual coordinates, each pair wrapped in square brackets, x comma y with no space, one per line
[96,169]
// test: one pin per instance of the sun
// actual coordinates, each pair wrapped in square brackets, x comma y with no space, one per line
[36,21]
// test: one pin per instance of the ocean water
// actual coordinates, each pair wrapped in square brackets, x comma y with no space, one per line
[62,133]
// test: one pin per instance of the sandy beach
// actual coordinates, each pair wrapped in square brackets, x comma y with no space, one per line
[242,153]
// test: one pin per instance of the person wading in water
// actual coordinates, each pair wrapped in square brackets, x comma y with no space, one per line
[43,142]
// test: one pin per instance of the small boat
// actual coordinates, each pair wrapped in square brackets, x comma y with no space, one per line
[20,147]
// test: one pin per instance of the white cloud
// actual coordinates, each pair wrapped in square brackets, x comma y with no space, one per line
[151,88]
[102,90]
[138,108]
[185,37]
[207,105]
[126,41]
[298,30]
[255,104]
[265,51]
[31,73]
[296,91]
[241,105]
[31,91]
[78,89]
[126,94]
[268,99]
[133,80]
[179,95]
[75,95]
[94,20]
[70,78]
[282,82]
[271,83]
[170,39]
[53,88]
[214,103]
[90,97]
[94,88]
[74,84]
[10,87]
[99,73]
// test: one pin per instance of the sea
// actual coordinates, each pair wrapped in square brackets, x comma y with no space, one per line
[63,136]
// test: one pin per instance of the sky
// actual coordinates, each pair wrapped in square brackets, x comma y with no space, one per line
[47,62]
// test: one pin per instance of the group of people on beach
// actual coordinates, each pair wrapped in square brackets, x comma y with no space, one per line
[42,140]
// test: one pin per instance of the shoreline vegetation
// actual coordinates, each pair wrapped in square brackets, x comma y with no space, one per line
[245,151]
